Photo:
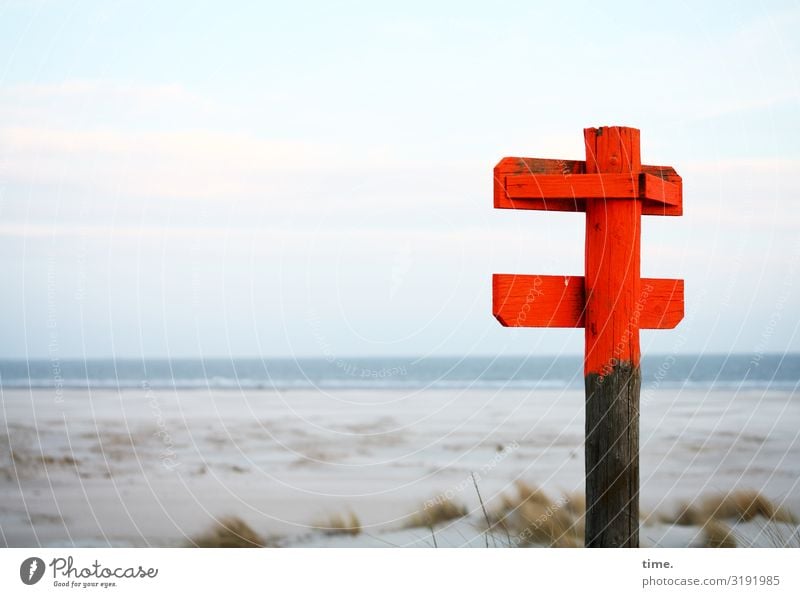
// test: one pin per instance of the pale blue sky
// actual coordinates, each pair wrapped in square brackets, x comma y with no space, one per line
[311,178]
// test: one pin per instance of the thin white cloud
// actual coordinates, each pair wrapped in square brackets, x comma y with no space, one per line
[92,136]
[82,100]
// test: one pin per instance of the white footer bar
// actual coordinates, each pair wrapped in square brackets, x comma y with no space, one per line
[407,573]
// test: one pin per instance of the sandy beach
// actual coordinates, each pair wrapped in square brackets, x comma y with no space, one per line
[155,467]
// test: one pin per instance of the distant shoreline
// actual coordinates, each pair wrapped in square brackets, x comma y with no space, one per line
[779,372]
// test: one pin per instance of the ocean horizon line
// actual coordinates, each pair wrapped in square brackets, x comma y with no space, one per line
[565,371]
[414,357]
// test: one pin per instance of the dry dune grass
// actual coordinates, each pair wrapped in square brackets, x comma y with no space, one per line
[531,517]
[576,503]
[21,456]
[738,506]
[340,524]
[780,536]
[718,534]
[437,511]
[30,465]
[229,532]
[746,505]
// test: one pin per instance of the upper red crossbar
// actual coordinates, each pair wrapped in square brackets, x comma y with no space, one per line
[563,185]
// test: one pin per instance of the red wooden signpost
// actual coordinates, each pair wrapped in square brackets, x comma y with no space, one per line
[611,301]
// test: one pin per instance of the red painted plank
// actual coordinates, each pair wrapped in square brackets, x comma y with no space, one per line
[511,166]
[558,301]
[662,303]
[536,169]
[571,187]
[538,301]
[613,240]
[592,186]
[660,209]
[657,189]
[515,166]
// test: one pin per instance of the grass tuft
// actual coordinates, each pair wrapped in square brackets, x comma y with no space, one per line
[229,532]
[436,511]
[718,534]
[339,524]
[531,517]
[746,505]
[737,506]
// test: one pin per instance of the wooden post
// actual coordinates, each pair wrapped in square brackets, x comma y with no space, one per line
[611,366]
[611,301]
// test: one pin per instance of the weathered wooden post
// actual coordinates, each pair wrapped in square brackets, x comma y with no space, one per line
[612,302]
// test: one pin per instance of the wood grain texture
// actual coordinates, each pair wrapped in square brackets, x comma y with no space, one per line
[652,208]
[612,353]
[525,183]
[612,457]
[572,187]
[538,301]
[656,189]
[530,166]
[613,239]
[559,301]
[662,301]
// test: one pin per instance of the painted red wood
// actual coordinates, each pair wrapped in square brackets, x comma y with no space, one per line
[667,173]
[592,186]
[611,302]
[658,190]
[517,166]
[586,186]
[559,301]
[613,237]
[553,185]
[538,301]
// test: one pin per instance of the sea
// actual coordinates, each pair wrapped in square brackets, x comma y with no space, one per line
[706,371]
